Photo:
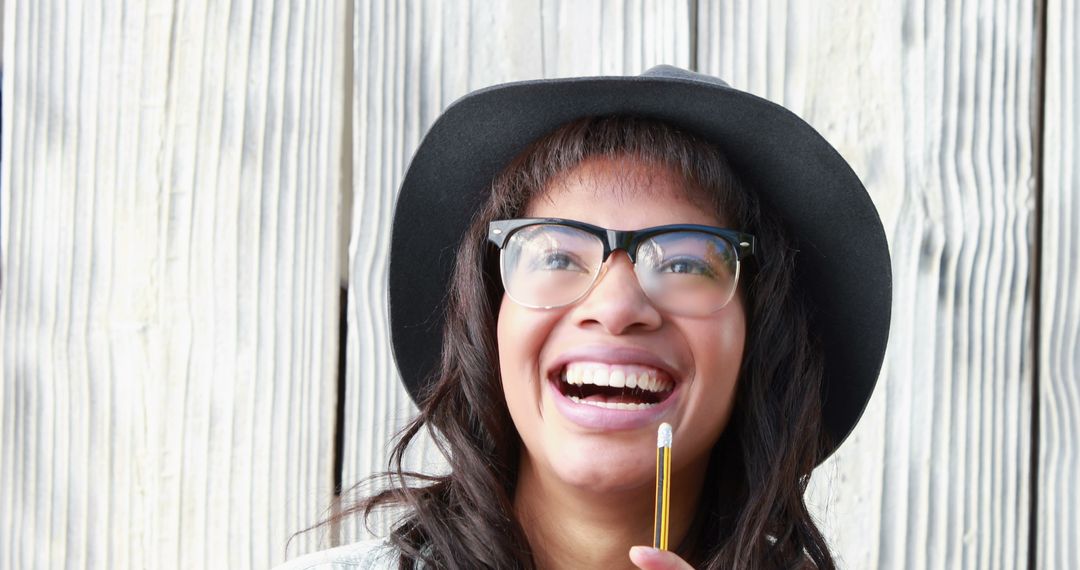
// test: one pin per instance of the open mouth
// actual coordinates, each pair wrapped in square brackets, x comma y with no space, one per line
[614,386]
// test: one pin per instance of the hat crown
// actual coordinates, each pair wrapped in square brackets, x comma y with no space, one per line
[671,72]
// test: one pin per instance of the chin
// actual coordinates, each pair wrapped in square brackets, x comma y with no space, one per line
[608,472]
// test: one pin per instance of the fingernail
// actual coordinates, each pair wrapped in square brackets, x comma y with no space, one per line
[645,550]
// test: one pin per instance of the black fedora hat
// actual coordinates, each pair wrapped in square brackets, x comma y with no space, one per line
[843,260]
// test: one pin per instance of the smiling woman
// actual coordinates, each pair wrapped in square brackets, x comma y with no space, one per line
[630,252]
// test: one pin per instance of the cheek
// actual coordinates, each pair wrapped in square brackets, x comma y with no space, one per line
[718,352]
[727,345]
[521,334]
[718,344]
[729,341]
[718,367]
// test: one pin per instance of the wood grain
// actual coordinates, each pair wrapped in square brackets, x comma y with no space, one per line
[1058,501]
[932,105]
[171,181]
[171,213]
[413,59]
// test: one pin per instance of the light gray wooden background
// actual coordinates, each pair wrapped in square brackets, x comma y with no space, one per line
[187,187]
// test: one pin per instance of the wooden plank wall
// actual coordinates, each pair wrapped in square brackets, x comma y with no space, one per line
[171,180]
[1058,500]
[176,177]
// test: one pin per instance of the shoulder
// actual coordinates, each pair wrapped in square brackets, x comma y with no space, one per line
[374,554]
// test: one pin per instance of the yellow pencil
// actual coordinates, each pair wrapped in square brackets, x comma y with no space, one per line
[663,486]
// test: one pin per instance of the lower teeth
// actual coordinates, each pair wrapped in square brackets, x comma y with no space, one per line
[612,405]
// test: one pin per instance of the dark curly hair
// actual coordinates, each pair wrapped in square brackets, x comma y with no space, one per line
[752,513]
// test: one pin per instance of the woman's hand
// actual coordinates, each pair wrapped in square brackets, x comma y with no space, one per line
[648,558]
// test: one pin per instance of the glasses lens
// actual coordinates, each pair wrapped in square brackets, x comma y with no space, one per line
[549,265]
[687,272]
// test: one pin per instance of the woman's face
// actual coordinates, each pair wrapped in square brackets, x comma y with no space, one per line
[617,330]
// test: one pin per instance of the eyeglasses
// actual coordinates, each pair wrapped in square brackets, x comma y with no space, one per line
[684,269]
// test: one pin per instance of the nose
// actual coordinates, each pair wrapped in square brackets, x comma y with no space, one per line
[617,302]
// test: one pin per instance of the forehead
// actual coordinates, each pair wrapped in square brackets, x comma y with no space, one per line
[623,193]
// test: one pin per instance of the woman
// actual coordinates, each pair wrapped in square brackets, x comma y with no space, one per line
[743,297]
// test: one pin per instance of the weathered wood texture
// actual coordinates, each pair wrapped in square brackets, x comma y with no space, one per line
[1058,521]
[169,230]
[171,181]
[932,105]
[413,59]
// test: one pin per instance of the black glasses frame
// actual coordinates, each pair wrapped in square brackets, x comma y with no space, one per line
[627,240]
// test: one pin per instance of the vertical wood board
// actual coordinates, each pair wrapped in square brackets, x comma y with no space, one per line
[171,181]
[1058,501]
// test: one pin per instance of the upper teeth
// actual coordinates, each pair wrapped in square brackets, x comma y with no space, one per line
[616,376]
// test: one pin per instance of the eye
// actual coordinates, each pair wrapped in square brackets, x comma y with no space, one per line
[557,260]
[686,266]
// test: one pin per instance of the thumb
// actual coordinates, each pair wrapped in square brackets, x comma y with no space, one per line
[648,558]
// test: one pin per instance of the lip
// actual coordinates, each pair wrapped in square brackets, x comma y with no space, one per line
[594,418]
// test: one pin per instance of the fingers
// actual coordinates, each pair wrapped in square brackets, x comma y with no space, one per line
[648,558]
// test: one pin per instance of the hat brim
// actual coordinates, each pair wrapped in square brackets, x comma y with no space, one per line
[843,259]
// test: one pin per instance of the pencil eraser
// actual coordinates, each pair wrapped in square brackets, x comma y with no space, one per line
[663,435]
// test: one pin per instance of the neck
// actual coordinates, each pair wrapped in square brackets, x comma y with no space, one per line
[570,527]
